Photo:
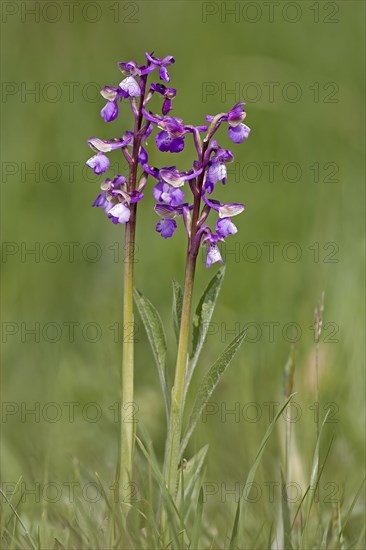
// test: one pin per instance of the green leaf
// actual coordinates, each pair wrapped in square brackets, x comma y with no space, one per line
[156,335]
[209,383]
[177,306]
[201,320]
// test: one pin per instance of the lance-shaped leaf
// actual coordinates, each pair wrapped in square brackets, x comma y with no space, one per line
[156,335]
[202,319]
[316,473]
[177,306]
[209,384]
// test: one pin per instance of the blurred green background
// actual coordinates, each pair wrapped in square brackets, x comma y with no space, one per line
[310,131]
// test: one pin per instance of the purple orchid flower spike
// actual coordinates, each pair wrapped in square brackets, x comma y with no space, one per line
[208,169]
[170,193]
[130,86]
[120,196]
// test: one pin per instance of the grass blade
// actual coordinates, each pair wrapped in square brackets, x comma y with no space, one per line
[315,476]
[32,543]
[286,523]
[253,469]
[190,474]
[197,521]
[234,533]
[348,515]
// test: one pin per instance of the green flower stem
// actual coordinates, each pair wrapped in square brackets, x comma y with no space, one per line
[127,428]
[127,394]
[177,395]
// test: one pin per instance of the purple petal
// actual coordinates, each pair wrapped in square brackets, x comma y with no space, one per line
[213,255]
[216,172]
[110,111]
[176,197]
[159,189]
[236,115]
[167,106]
[166,228]
[129,68]
[166,143]
[151,117]
[101,200]
[239,133]
[150,58]
[143,156]
[225,227]
[136,196]
[157,87]
[149,129]
[120,212]
[173,126]
[165,61]
[99,163]
[130,86]
[168,60]
[164,75]
[212,203]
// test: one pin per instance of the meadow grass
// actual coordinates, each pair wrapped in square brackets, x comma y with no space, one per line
[322,515]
